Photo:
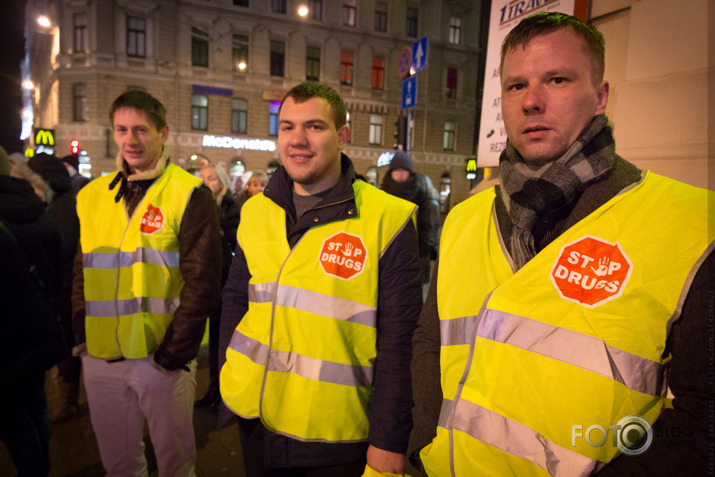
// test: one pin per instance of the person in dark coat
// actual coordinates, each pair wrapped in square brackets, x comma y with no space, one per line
[216,179]
[62,210]
[31,339]
[403,182]
[71,163]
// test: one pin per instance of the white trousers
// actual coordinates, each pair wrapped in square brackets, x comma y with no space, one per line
[121,394]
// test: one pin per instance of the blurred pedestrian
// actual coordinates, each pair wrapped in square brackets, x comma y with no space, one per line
[254,185]
[402,181]
[63,211]
[71,162]
[146,278]
[31,338]
[216,178]
[319,308]
[42,189]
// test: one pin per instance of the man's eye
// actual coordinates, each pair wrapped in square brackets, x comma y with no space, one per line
[558,80]
[516,87]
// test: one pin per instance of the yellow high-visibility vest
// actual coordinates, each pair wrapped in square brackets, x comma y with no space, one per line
[132,280]
[302,357]
[574,339]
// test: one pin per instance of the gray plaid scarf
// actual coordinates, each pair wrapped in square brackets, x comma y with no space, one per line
[533,194]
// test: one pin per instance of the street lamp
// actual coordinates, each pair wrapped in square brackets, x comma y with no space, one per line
[44,21]
[28,84]
[302,10]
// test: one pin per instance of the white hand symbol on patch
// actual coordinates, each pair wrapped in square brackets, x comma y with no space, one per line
[348,250]
[602,266]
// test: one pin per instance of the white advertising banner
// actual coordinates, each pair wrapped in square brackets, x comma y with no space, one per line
[505,15]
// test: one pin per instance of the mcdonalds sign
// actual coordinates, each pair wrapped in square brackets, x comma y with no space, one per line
[44,140]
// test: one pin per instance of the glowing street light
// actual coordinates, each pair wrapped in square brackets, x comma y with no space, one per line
[242,65]
[302,10]
[43,21]
[28,84]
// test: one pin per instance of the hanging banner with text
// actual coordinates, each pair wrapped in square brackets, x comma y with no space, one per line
[505,15]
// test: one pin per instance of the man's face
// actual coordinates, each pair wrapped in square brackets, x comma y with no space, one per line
[548,95]
[310,144]
[400,175]
[139,141]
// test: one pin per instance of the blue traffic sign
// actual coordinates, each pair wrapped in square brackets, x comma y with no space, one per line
[409,92]
[419,54]
[405,63]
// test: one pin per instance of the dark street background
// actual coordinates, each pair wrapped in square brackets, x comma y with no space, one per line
[12,50]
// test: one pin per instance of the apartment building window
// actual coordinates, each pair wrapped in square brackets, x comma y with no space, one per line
[136,37]
[278,6]
[200,112]
[455,30]
[448,137]
[199,47]
[312,63]
[375,129]
[378,73]
[273,118]
[451,90]
[349,124]
[239,115]
[381,16]
[79,102]
[240,3]
[81,39]
[349,12]
[278,55]
[240,52]
[316,9]
[346,68]
[411,20]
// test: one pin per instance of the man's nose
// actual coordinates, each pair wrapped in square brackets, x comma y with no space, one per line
[532,100]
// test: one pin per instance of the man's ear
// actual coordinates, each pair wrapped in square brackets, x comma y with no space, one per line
[602,98]
[343,136]
[164,134]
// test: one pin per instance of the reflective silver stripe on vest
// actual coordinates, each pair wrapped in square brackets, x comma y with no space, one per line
[131,306]
[574,348]
[458,331]
[516,439]
[261,292]
[304,366]
[127,259]
[314,302]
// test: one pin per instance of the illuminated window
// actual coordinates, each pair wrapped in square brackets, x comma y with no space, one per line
[349,11]
[346,68]
[455,30]
[378,73]
[239,115]
[448,137]
[273,118]
[199,112]
[375,129]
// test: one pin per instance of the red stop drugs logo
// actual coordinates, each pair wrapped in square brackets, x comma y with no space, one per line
[591,271]
[152,221]
[343,255]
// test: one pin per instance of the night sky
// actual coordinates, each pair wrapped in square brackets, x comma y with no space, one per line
[12,50]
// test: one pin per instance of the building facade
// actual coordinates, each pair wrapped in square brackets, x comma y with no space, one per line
[221,68]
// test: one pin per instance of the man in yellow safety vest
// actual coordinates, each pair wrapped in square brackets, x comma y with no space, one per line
[577,330]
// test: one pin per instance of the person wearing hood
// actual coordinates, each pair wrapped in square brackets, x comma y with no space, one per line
[71,163]
[31,339]
[62,209]
[402,181]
